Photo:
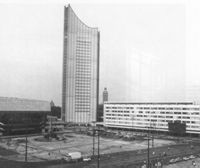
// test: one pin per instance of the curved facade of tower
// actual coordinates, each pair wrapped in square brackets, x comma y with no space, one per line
[80,70]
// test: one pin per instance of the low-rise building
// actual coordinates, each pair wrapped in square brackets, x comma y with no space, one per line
[19,116]
[153,116]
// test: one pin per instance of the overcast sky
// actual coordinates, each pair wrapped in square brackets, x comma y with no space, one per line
[149,51]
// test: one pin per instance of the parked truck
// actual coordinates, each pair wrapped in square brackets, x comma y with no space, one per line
[73,156]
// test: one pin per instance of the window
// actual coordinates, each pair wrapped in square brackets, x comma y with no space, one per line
[185,113]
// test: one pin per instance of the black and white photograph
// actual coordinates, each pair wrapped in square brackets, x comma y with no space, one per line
[100,84]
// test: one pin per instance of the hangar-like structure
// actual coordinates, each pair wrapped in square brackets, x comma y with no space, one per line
[22,116]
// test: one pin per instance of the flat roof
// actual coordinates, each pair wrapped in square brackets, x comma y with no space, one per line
[151,103]
[21,104]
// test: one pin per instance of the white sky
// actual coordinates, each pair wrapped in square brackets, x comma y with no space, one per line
[149,50]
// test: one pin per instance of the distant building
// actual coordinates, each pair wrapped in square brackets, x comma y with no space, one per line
[52,103]
[100,106]
[53,120]
[155,116]
[105,95]
[56,111]
[100,113]
[80,70]
[19,116]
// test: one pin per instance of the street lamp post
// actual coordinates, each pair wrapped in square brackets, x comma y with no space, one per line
[98,149]
[152,127]
[88,119]
[93,147]
[132,118]
[148,149]
[26,150]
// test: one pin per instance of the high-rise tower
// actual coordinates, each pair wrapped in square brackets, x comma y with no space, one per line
[80,70]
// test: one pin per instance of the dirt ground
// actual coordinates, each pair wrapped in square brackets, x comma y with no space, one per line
[124,153]
[52,150]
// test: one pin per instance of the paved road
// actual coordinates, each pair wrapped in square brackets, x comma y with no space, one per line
[122,159]
[185,164]
[128,159]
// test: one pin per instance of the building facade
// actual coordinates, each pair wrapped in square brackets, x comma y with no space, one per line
[105,95]
[156,116]
[80,70]
[19,116]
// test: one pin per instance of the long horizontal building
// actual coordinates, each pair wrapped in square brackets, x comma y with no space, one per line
[156,116]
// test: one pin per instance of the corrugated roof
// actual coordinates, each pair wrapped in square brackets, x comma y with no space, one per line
[19,104]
